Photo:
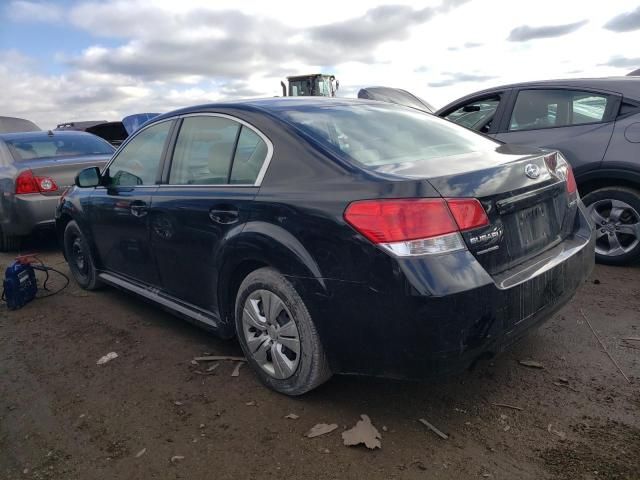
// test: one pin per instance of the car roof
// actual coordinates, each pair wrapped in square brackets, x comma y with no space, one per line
[627,86]
[273,104]
[43,134]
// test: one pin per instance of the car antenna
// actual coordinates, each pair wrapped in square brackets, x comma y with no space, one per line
[50,133]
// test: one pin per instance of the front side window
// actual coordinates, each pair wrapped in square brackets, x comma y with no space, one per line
[204,150]
[137,163]
[535,109]
[477,115]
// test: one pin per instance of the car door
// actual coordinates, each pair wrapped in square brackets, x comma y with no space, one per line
[482,113]
[119,208]
[579,123]
[214,175]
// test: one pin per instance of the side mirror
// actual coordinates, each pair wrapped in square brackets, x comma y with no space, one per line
[89,177]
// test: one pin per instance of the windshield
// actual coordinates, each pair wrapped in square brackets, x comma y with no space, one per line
[312,86]
[375,135]
[41,146]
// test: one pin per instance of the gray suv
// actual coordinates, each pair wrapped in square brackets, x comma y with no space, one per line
[35,169]
[595,123]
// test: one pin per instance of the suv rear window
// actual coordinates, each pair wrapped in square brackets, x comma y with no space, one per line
[375,135]
[42,146]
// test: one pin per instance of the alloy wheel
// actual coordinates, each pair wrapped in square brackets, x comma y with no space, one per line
[271,334]
[617,226]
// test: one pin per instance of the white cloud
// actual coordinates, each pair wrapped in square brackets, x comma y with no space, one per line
[169,54]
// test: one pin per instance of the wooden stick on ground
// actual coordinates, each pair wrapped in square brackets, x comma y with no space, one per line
[613,360]
[433,429]
[505,405]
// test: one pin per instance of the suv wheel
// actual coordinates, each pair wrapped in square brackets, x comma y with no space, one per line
[615,211]
[9,243]
[78,255]
[277,334]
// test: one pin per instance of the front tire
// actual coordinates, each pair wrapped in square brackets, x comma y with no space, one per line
[277,334]
[615,212]
[79,257]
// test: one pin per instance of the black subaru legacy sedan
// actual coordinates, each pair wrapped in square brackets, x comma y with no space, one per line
[333,235]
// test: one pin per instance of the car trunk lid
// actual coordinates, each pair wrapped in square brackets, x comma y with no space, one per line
[526,201]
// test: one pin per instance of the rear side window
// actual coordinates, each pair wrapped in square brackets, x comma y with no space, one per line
[216,151]
[477,115]
[137,163]
[535,109]
[204,151]
[44,146]
[249,157]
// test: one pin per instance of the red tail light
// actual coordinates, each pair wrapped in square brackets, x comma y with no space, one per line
[26,182]
[468,213]
[571,181]
[416,226]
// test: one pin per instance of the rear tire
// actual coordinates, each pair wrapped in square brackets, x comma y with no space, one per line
[9,243]
[615,212]
[278,335]
[79,257]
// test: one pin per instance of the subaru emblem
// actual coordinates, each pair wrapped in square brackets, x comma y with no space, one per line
[532,171]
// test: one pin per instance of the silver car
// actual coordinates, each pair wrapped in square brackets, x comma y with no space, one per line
[35,169]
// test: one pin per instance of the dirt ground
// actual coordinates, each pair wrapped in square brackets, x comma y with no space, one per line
[64,417]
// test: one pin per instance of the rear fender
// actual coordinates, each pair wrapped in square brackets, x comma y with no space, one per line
[261,244]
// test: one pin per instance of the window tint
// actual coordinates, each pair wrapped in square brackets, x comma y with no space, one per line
[249,157]
[203,151]
[137,163]
[536,109]
[41,145]
[382,134]
[477,115]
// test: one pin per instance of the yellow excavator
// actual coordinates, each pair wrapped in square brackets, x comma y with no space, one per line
[311,85]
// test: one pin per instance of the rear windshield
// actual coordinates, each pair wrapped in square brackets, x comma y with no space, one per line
[41,146]
[375,135]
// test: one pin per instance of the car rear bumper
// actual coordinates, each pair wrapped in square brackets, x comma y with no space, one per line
[22,214]
[407,333]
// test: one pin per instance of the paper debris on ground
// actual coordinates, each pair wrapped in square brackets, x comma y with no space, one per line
[213,367]
[321,429]
[216,358]
[107,358]
[363,432]
[250,404]
[176,458]
[560,434]
[292,416]
[236,371]
[435,430]
[531,363]
[141,452]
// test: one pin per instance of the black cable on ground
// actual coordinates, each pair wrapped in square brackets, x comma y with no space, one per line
[44,268]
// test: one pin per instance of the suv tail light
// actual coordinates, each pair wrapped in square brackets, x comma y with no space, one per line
[563,170]
[26,182]
[416,226]
[572,187]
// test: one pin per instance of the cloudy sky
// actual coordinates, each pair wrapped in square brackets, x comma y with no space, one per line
[88,60]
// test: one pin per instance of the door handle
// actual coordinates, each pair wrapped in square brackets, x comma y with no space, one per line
[224,216]
[138,208]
